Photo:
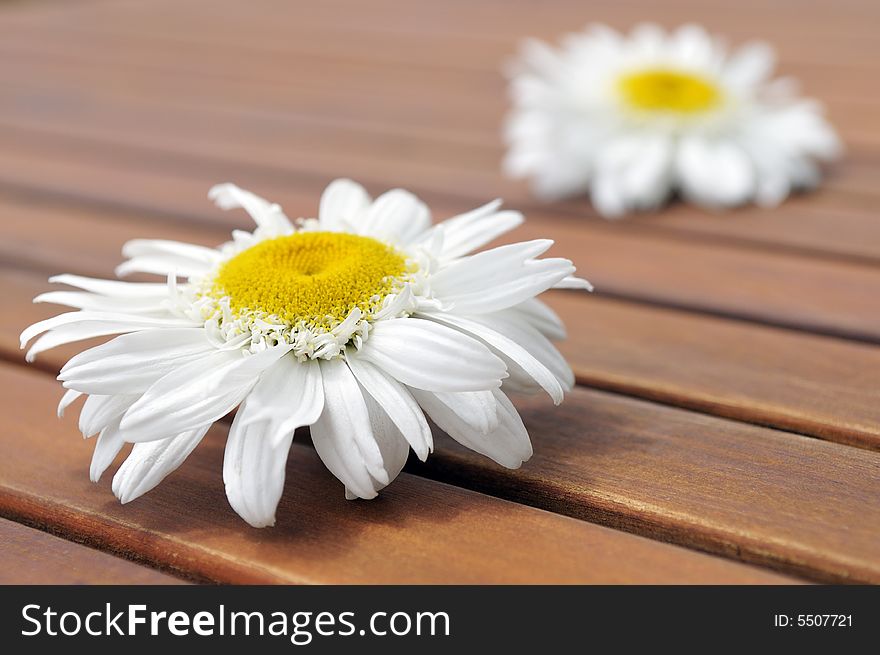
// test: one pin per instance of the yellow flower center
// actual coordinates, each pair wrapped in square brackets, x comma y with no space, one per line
[661,90]
[316,278]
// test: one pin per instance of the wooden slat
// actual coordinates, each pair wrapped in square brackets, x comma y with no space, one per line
[729,488]
[82,125]
[814,385]
[34,557]
[314,123]
[732,369]
[419,531]
[811,224]
[826,296]
[820,36]
[785,501]
[295,111]
[298,129]
[147,52]
[361,91]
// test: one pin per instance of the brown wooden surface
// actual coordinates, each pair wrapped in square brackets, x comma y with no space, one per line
[824,295]
[34,557]
[730,368]
[609,459]
[117,117]
[419,531]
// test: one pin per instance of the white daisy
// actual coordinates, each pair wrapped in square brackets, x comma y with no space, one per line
[632,119]
[358,323]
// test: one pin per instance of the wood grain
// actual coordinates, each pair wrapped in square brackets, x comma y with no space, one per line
[119,106]
[598,447]
[34,557]
[826,296]
[788,502]
[419,531]
[484,32]
[118,117]
[306,144]
[302,124]
[729,368]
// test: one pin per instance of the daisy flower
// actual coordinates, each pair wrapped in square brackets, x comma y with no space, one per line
[361,324]
[632,119]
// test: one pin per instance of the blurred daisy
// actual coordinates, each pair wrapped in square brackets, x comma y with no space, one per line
[358,323]
[633,119]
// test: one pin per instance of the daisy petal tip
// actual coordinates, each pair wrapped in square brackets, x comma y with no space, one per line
[219,192]
[268,522]
[381,476]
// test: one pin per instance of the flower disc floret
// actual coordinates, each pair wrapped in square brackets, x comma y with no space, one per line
[310,278]
[662,90]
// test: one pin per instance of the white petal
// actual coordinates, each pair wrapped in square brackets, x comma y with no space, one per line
[98,412]
[149,463]
[694,45]
[538,315]
[500,277]
[517,351]
[572,282]
[130,363]
[392,445]
[475,411]
[196,393]
[528,336]
[76,326]
[267,215]
[69,397]
[126,322]
[400,303]
[341,204]
[648,39]
[288,395]
[396,402]
[163,247]
[633,172]
[467,232]
[253,469]
[607,197]
[749,66]
[114,288]
[84,300]
[163,265]
[561,176]
[107,447]
[342,435]
[428,356]
[717,173]
[508,444]
[397,215]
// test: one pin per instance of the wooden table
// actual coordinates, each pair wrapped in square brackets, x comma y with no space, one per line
[726,425]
